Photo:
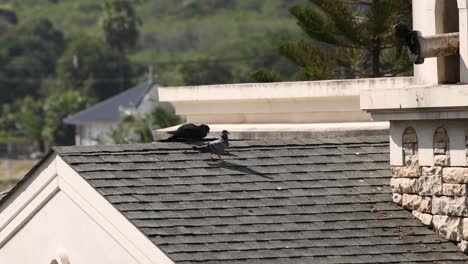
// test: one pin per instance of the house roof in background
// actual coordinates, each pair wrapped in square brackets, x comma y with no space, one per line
[271,201]
[109,109]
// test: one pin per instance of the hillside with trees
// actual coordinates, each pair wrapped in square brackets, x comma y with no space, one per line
[62,56]
[232,37]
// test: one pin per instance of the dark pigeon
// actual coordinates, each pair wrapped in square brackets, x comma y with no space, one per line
[403,32]
[188,131]
[215,147]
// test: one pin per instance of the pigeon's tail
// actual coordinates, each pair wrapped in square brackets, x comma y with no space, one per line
[202,148]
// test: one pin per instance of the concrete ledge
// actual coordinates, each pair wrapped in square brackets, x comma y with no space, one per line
[420,97]
[313,117]
[281,90]
[420,114]
[331,101]
[291,131]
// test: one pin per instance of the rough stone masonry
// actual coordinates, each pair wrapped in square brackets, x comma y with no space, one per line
[437,194]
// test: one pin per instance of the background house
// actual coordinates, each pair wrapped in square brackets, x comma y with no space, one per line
[98,120]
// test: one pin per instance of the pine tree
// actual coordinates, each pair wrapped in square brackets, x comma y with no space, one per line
[348,39]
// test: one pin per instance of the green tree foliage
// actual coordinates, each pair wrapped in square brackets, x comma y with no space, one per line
[160,117]
[206,73]
[8,15]
[29,118]
[264,75]
[47,32]
[88,66]
[28,59]
[8,121]
[120,25]
[349,38]
[135,129]
[200,8]
[8,19]
[23,120]
[57,107]
[123,134]
[236,33]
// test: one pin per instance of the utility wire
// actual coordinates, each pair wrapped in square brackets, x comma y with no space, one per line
[156,63]
[182,62]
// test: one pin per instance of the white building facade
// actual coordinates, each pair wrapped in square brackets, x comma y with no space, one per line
[429,126]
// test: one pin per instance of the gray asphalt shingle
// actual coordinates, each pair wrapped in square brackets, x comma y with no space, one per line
[3,194]
[282,201]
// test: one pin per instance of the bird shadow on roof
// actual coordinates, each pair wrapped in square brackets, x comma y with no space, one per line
[239,168]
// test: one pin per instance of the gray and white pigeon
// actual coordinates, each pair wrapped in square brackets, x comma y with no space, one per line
[215,147]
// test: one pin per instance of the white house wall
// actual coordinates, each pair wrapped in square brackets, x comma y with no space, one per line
[54,213]
[151,101]
[89,134]
[61,226]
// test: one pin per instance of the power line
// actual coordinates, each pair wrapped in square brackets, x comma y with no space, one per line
[223,60]
[156,63]
[55,79]
[182,62]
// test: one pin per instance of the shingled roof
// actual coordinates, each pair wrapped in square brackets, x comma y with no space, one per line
[3,194]
[282,201]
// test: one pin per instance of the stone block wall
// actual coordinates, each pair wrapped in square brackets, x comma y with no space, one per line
[436,193]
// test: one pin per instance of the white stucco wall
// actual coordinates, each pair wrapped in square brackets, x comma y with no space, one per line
[89,134]
[425,130]
[443,98]
[151,101]
[334,101]
[54,213]
[436,17]
[424,22]
[463,28]
[61,226]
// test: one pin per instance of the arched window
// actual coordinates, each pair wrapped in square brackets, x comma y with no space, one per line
[441,142]
[60,260]
[410,147]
